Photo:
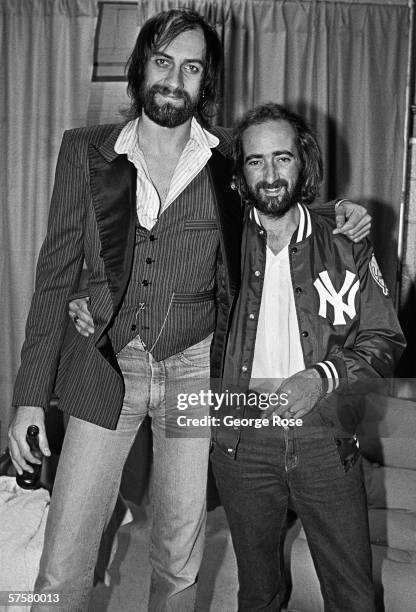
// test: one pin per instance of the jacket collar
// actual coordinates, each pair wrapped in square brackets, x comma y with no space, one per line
[107,148]
[304,228]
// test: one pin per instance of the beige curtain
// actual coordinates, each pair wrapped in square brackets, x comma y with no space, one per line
[46,49]
[343,66]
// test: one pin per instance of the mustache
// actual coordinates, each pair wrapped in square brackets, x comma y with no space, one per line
[164,90]
[275,185]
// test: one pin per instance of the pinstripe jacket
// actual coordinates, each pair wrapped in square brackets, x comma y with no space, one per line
[93,217]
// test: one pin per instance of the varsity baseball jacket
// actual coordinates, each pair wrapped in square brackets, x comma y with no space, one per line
[347,324]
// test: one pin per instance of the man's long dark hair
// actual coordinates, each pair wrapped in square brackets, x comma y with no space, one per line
[311,174]
[159,31]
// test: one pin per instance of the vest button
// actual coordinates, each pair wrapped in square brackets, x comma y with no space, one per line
[244,368]
[145,283]
[257,273]
[149,260]
[251,316]
[152,237]
[294,250]
[305,334]
[298,290]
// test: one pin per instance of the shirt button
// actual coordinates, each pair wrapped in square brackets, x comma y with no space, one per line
[257,273]
[244,368]
[230,451]
[152,237]
[149,260]
[298,290]
[261,232]
[251,316]
[293,250]
[305,334]
[145,283]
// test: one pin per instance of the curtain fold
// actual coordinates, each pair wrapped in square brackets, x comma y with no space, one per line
[46,48]
[342,65]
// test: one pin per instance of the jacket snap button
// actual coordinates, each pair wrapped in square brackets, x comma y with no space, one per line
[305,334]
[293,250]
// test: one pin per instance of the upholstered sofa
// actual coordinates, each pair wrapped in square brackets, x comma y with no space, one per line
[387,436]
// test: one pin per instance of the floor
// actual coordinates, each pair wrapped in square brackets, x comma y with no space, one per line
[130,571]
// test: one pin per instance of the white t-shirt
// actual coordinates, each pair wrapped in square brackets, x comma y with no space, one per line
[278,351]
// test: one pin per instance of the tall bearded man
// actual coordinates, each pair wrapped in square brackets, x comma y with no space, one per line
[147,205]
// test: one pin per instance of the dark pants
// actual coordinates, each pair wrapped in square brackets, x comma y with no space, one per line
[271,466]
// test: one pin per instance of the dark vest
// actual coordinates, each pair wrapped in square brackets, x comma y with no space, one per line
[169,300]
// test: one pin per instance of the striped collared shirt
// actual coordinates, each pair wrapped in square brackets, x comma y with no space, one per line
[193,158]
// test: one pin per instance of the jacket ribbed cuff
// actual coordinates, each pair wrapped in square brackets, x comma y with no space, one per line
[329,374]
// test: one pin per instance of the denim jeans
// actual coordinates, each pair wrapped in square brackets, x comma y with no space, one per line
[89,474]
[272,467]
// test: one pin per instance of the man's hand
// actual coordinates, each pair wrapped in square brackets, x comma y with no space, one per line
[304,389]
[18,447]
[79,313]
[352,220]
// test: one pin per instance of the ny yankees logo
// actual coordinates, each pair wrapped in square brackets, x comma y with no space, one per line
[328,294]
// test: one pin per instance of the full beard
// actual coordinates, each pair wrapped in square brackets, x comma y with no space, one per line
[168,115]
[273,206]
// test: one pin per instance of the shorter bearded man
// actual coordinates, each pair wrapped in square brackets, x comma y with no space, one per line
[312,317]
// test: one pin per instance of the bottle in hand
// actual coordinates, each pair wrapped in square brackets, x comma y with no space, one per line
[31,480]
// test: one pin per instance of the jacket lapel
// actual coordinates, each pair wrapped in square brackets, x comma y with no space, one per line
[229,211]
[113,189]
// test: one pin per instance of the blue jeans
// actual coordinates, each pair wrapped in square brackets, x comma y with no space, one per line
[273,466]
[89,474]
